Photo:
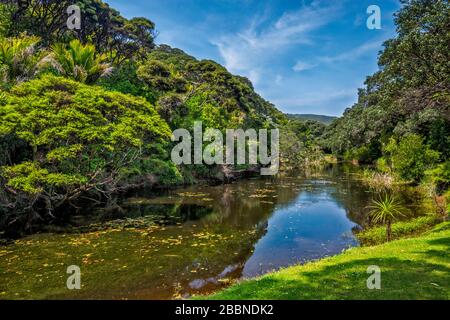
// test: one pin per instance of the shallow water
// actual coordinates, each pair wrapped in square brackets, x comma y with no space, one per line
[203,239]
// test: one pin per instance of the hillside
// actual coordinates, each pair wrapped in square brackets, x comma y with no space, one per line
[405,103]
[185,90]
[314,117]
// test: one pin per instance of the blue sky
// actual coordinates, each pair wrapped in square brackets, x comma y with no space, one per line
[305,56]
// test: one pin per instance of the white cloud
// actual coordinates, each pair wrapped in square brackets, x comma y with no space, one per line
[249,51]
[354,53]
[302,66]
[350,55]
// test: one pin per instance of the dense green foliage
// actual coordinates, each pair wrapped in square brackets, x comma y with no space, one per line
[402,115]
[76,61]
[299,143]
[18,60]
[77,141]
[103,26]
[82,106]
[410,157]
[186,90]
[313,117]
[87,114]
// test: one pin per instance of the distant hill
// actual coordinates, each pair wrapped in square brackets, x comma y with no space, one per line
[315,117]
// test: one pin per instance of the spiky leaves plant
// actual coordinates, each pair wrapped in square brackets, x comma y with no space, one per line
[77,61]
[18,59]
[385,210]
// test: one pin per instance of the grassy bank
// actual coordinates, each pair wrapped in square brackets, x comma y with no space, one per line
[401,229]
[416,268]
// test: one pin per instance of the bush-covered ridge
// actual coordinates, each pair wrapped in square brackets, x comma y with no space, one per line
[186,89]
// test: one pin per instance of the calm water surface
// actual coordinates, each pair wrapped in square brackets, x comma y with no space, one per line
[206,237]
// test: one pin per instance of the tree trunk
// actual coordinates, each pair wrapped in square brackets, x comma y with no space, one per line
[389,231]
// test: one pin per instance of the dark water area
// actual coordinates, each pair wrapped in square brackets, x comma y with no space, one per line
[206,237]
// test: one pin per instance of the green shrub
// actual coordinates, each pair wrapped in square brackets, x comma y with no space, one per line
[382,165]
[81,139]
[440,176]
[166,171]
[377,235]
[366,154]
[124,79]
[410,157]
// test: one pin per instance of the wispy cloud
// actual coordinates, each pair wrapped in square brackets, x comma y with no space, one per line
[278,79]
[302,66]
[354,53]
[248,51]
[350,55]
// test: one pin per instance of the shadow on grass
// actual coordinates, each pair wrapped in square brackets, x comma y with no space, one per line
[400,279]
[442,254]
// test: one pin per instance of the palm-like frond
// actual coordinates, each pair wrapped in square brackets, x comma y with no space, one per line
[386,209]
[18,58]
[78,61]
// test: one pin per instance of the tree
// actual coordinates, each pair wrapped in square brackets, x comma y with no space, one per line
[410,157]
[82,142]
[131,38]
[103,26]
[5,20]
[410,92]
[77,61]
[385,211]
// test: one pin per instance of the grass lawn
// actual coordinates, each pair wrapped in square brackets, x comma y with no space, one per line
[416,268]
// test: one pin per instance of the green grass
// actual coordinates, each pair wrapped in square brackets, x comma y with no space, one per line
[416,268]
[377,235]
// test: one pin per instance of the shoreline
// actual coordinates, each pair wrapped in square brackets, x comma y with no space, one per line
[413,271]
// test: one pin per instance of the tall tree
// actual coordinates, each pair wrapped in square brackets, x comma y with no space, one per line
[103,26]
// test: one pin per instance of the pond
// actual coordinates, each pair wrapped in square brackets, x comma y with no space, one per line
[199,239]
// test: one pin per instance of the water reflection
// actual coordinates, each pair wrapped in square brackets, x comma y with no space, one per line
[311,227]
[295,219]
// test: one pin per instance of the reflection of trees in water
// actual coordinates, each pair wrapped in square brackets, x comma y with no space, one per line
[355,197]
[237,205]
[241,204]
